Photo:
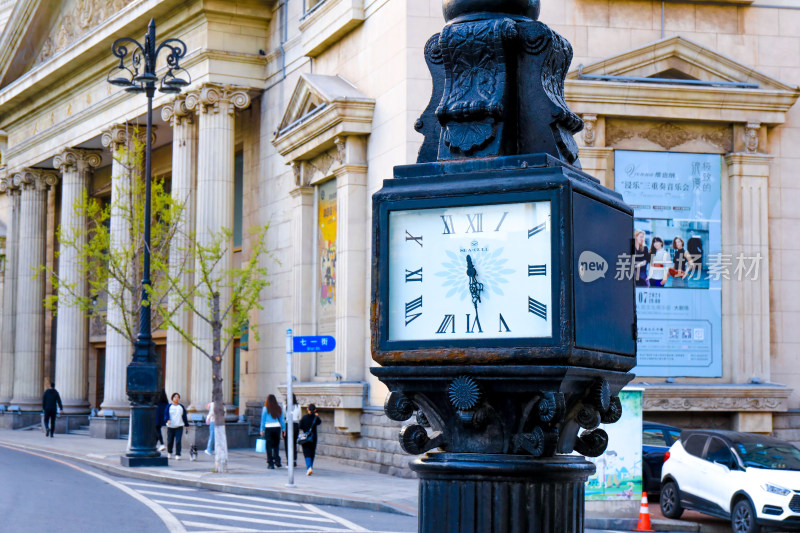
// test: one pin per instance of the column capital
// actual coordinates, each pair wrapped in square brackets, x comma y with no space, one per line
[176,113]
[7,185]
[748,164]
[208,98]
[35,179]
[81,160]
[120,134]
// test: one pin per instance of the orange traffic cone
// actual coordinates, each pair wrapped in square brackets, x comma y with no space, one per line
[644,515]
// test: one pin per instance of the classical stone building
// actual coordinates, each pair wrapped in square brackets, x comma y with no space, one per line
[298,109]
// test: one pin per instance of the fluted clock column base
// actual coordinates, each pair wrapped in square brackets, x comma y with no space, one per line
[476,493]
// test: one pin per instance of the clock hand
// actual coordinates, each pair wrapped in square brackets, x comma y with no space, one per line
[475,287]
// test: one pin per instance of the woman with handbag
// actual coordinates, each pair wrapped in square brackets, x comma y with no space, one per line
[307,438]
[272,426]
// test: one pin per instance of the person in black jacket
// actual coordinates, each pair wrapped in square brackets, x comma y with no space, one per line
[51,402]
[308,424]
[161,417]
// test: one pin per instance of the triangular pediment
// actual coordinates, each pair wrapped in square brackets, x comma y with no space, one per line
[682,60]
[38,30]
[312,93]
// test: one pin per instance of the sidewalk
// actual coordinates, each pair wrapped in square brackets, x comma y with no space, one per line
[331,484]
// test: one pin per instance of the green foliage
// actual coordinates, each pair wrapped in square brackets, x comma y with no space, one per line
[221,297]
[114,270]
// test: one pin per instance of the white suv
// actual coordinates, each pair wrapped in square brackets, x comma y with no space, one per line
[749,479]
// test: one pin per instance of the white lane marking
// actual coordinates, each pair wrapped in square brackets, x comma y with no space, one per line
[252,520]
[159,486]
[266,505]
[213,528]
[246,511]
[173,524]
[258,499]
[339,519]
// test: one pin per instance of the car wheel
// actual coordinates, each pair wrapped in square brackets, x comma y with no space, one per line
[671,500]
[743,519]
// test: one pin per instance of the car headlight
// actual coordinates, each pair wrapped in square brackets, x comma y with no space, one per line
[775,489]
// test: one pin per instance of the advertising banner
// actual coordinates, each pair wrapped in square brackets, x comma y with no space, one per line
[675,260]
[619,469]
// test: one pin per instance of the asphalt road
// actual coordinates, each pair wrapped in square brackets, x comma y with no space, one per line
[39,493]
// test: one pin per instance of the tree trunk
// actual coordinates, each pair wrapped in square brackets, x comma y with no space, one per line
[220,436]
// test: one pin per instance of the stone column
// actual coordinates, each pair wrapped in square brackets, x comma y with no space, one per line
[72,333]
[119,350]
[746,233]
[7,334]
[351,269]
[184,175]
[215,106]
[29,338]
[302,265]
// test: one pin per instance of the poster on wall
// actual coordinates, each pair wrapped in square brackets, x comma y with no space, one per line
[326,271]
[618,474]
[677,239]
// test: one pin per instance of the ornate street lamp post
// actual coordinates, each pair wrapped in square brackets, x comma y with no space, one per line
[137,73]
[501,335]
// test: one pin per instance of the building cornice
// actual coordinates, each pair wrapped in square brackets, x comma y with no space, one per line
[680,102]
[720,398]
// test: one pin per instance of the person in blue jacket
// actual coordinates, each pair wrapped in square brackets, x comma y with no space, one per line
[272,427]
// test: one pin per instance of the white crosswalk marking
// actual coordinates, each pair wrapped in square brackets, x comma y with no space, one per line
[215,529]
[346,523]
[157,486]
[204,511]
[244,511]
[268,505]
[252,520]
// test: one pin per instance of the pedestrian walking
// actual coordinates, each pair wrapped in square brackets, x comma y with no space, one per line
[161,418]
[272,426]
[296,414]
[210,421]
[51,403]
[308,425]
[177,423]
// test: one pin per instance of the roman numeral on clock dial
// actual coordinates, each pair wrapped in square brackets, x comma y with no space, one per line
[412,306]
[537,229]
[536,270]
[475,223]
[475,323]
[449,321]
[537,308]
[448,224]
[414,275]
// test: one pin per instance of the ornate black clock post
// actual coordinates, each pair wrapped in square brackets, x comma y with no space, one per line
[502,331]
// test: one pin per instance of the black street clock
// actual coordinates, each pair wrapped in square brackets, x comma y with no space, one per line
[498,259]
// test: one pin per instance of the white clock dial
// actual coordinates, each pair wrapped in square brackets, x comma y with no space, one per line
[470,272]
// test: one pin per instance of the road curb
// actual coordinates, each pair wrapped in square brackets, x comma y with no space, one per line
[230,488]
[630,524]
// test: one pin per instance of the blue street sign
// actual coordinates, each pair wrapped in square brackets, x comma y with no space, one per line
[317,343]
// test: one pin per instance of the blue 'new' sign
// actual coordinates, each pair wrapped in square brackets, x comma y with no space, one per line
[316,343]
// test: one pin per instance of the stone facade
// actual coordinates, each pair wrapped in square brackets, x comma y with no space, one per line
[299,108]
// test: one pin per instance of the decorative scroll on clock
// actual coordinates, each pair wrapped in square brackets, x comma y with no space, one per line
[498,89]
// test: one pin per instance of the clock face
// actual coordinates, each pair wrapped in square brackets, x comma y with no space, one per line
[471,272]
